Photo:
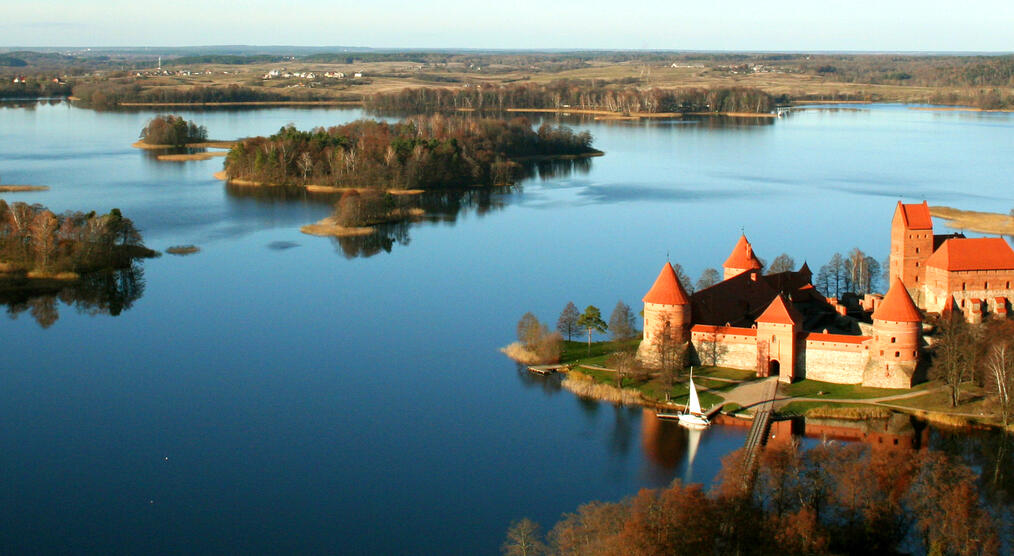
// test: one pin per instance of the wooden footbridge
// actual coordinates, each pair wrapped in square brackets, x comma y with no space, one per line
[758,435]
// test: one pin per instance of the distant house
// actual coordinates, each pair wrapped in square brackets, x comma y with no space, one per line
[358,74]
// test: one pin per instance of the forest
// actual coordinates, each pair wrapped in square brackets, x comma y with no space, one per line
[421,152]
[35,87]
[831,499]
[110,93]
[582,94]
[172,130]
[34,240]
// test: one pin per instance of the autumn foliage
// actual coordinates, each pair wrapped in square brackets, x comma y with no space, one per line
[578,94]
[832,499]
[422,152]
[33,239]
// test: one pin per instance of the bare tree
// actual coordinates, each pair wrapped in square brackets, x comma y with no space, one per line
[621,322]
[681,275]
[952,355]
[624,363]
[523,539]
[567,323]
[671,357]
[708,278]
[782,263]
[1000,378]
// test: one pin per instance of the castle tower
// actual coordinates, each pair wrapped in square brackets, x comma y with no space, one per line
[741,260]
[666,316]
[777,329]
[897,333]
[911,244]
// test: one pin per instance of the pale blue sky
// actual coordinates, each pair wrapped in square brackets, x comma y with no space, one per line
[926,25]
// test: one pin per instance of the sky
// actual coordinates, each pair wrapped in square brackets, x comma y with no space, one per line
[789,25]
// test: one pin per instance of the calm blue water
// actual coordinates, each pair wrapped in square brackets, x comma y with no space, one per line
[274,393]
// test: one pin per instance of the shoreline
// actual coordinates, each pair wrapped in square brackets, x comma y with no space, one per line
[22,188]
[202,145]
[608,115]
[251,103]
[329,227]
[186,157]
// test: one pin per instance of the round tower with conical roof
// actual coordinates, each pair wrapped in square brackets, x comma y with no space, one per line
[742,259]
[897,334]
[666,317]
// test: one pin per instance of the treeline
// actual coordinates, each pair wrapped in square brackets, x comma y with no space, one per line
[172,130]
[108,94]
[36,87]
[578,94]
[832,499]
[33,239]
[422,152]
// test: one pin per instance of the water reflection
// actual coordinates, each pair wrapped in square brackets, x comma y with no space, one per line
[444,206]
[97,293]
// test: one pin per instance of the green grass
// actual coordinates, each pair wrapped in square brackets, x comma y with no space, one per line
[724,372]
[798,409]
[578,352]
[816,389]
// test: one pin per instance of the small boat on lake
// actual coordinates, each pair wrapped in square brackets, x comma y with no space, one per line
[692,417]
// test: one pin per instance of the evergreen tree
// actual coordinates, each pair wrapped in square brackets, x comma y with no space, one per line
[591,320]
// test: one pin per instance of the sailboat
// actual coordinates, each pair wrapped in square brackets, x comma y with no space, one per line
[693,417]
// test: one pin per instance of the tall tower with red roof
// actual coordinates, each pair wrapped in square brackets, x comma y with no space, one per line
[911,244]
[666,315]
[777,330]
[741,260]
[897,333]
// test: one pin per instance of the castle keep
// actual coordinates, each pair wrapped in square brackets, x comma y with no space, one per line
[780,325]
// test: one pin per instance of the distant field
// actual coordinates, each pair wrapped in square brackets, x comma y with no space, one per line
[393,76]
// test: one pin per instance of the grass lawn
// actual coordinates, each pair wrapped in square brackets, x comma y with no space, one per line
[798,409]
[971,400]
[578,352]
[816,389]
[724,372]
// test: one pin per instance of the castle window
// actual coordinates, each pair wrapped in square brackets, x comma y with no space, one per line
[917,265]
[897,354]
[893,340]
[895,441]
[985,285]
[881,353]
[1008,285]
[962,286]
[916,250]
[915,353]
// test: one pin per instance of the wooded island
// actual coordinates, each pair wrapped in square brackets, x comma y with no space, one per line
[421,152]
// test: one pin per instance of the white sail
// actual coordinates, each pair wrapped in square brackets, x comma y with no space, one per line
[695,404]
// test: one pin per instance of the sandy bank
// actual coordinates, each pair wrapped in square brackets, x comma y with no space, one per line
[183,250]
[333,189]
[16,188]
[204,145]
[186,157]
[329,227]
[984,222]
[221,175]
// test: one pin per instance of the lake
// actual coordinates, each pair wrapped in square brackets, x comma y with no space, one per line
[278,392]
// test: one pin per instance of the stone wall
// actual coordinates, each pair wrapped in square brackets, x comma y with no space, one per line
[737,347]
[880,374]
[841,363]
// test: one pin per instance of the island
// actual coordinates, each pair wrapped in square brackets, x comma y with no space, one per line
[421,152]
[37,245]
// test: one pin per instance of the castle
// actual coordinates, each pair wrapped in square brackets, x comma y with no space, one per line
[780,325]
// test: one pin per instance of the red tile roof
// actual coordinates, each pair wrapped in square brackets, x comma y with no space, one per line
[742,256]
[977,253]
[728,330]
[917,217]
[897,305]
[780,312]
[840,338]
[949,307]
[667,289]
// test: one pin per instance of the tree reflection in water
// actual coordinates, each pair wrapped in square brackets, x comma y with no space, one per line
[438,205]
[98,293]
